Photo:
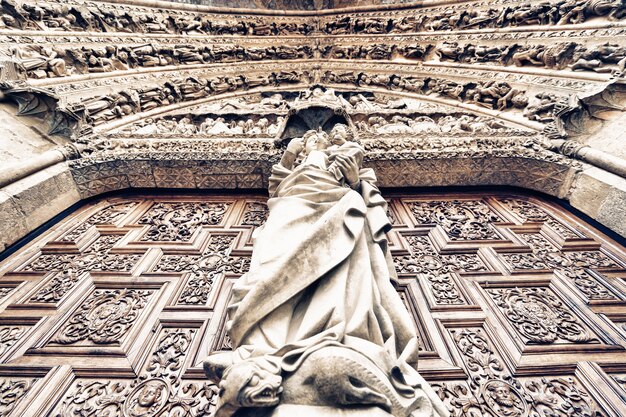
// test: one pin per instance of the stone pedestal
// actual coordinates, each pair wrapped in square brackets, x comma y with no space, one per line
[295,410]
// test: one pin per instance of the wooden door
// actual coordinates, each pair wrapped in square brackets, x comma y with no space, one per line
[521,307]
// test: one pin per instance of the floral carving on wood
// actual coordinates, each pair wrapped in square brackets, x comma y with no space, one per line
[530,212]
[11,392]
[9,335]
[461,220]
[107,215]
[104,318]
[539,316]
[178,221]
[573,265]
[54,290]
[255,214]
[437,269]
[203,268]
[493,392]
[96,258]
[158,391]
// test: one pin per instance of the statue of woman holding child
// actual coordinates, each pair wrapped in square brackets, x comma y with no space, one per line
[316,324]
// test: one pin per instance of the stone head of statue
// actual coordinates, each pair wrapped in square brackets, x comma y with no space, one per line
[315,141]
[340,134]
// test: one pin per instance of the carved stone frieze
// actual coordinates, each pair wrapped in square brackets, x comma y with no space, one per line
[539,316]
[104,318]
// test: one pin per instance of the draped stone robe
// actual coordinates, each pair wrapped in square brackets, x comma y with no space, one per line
[320,276]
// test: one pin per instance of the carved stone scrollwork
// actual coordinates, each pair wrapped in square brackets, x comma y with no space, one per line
[539,316]
[104,318]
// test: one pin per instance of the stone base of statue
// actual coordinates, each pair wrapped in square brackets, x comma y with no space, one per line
[291,410]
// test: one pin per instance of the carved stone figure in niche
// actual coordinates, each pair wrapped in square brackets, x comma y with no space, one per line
[336,333]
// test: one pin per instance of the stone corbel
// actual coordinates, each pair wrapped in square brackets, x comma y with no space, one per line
[19,170]
[592,156]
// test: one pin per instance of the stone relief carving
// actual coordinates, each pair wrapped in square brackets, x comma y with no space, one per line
[560,13]
[339,364]
[104,318]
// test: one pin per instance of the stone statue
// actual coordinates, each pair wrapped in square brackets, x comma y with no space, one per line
[316,324]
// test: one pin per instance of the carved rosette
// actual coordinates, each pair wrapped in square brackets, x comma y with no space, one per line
[539,316]
[104,318]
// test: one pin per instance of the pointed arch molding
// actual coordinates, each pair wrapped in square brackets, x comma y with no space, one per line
[84,73]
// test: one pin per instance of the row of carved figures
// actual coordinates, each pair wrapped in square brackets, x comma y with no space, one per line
[411,124]
[490,94]
[50,61]
[210,126]
[607,57]
[108,18]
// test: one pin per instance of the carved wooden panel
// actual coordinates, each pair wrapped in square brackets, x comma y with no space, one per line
[520,306]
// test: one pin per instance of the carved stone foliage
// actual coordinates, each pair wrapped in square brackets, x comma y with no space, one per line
[179,221]
[493,392]
[539,316]
[12,390]
[158,390]
[104,318]
[461,220]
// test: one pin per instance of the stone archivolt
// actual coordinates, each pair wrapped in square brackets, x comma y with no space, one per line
[52,50]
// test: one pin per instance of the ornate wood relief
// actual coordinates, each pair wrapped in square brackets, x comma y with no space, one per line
[113,309]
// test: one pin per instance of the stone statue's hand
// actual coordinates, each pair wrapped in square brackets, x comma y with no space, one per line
[295,146]
[349,167]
